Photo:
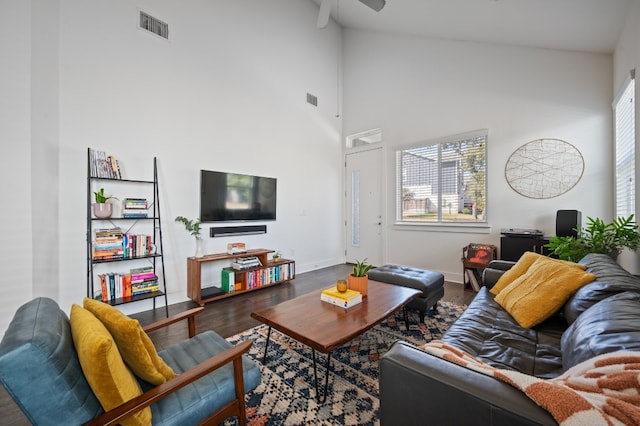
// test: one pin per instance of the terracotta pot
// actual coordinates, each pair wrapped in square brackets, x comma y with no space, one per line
[102,210]
[360,284]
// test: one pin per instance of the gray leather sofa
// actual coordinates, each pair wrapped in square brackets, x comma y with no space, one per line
[417,388]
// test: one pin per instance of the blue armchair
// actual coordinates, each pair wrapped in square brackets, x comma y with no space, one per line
[39,368]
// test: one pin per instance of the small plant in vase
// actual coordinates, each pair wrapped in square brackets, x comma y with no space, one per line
[276,256]
[358,279]
[102,209]
[193,227]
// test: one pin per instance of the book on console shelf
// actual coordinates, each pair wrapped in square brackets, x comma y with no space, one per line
[228,280]
[246,262]
[235,248]
[345,299]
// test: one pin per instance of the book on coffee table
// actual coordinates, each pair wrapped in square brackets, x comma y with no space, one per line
[345,299]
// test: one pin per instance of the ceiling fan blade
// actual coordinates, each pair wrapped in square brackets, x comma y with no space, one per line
[323,14]
[376,5]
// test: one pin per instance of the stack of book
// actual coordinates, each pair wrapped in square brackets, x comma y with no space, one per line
[103,165]
[346,299]
[108,244]
[143,280]
[137,281]
[235,248]
[135,208]
[245,262]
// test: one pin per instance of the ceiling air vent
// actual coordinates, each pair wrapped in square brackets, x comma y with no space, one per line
[313,100]
[154,25]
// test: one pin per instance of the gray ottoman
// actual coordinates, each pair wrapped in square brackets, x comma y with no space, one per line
[429,282]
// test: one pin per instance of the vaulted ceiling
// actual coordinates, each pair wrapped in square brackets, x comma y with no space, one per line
[580,25]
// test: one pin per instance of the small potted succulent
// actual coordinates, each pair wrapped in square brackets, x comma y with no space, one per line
[358,279]
[102,209]
[276,256]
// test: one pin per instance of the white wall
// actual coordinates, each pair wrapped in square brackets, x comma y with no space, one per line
[625,58]
[228,92]
[416,89]
[15,161]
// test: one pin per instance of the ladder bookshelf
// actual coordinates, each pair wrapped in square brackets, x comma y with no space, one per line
[111,240]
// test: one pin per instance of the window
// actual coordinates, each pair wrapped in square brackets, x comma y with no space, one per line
[365,138]
[625,135]
[443,181]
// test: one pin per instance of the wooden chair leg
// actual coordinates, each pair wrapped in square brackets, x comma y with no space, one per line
[237,370]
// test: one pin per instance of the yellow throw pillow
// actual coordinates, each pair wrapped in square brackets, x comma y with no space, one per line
[102,365]
[522,265]
[542,290]
[136,348]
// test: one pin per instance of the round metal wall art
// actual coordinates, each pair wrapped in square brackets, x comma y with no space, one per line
[544,168]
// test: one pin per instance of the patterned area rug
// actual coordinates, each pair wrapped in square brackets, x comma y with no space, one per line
[287,394]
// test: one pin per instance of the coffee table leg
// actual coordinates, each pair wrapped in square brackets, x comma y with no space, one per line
[266,346]
[326,378]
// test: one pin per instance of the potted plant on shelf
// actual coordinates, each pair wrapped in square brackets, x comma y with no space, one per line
[276,256]
[102,209]
[193,227]
[358,279]
[597,237]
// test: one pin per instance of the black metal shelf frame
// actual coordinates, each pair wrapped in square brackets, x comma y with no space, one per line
[157,259]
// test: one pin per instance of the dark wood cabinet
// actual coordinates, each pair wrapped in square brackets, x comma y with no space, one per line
[514,245]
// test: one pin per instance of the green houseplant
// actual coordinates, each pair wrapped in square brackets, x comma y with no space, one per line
[360,268]
[101,208]
[193,227]
[597,237]
[358,279]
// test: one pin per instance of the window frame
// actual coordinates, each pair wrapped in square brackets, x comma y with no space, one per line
[440,225]
[624,148]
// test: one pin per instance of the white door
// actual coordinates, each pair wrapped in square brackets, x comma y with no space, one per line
[364,206]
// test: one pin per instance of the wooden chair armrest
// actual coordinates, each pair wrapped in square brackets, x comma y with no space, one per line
[121,412]
[188,315]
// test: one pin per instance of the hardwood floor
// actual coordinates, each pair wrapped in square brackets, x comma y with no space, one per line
[232,315]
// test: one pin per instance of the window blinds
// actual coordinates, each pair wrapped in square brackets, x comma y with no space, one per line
[624,114]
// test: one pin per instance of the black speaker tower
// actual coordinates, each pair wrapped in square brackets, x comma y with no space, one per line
[567,221]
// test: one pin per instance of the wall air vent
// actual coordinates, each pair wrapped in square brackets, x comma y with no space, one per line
[313,100]
[154,25]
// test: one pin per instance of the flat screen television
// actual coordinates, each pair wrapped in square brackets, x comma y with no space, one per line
[228,197]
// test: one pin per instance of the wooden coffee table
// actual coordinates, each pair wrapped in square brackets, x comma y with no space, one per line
[325,327]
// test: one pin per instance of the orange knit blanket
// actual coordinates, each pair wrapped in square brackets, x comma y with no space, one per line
[604,390]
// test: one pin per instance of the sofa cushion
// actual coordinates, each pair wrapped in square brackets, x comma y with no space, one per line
[38,361]
[103,367]
[522,266]
[542,290]
[486,331]
[610,325]
[135,346]
[611,279]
